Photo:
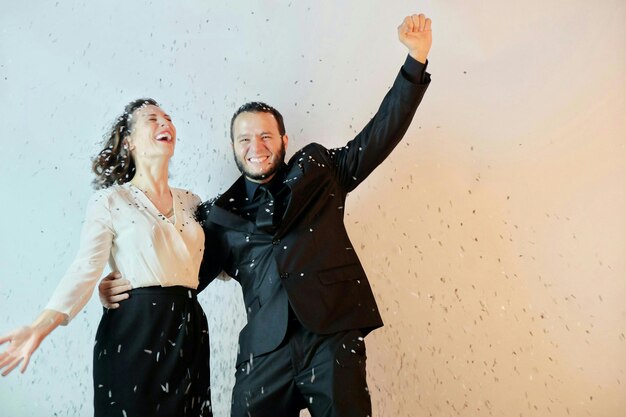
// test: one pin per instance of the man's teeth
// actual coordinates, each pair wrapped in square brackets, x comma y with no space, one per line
[257,160]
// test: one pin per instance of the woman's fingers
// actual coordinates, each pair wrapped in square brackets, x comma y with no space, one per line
[11,366]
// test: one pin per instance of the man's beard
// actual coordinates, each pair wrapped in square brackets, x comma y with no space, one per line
[261,176]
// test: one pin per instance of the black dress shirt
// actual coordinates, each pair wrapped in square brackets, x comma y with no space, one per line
[276,186]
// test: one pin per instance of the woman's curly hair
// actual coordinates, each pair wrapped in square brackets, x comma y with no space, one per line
[114,164]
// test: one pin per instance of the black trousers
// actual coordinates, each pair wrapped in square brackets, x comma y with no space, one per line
[151,356]
[322,373]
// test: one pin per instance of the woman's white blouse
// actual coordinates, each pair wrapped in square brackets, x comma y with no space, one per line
[123,227]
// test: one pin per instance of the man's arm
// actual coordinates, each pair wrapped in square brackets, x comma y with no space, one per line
[355,161]
[113,288]
[211,266]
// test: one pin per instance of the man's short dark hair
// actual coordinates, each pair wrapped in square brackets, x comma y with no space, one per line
[258,107]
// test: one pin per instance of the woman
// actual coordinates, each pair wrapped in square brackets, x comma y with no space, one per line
[151,356]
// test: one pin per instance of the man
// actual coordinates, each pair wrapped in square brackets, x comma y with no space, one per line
[279,231]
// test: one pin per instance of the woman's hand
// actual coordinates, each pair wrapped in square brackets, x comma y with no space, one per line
[25,340]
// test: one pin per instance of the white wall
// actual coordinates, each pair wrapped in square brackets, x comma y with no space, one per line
[494,236]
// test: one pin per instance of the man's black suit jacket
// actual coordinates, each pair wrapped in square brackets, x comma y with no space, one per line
[310,254]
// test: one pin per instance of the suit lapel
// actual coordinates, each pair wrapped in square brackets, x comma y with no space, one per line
[221,212]
[298,182]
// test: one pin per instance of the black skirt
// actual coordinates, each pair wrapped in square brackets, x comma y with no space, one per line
[151,356]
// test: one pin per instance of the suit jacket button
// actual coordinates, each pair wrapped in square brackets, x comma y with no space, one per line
[284,275]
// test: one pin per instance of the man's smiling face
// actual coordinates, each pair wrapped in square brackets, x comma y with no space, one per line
[258,146]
